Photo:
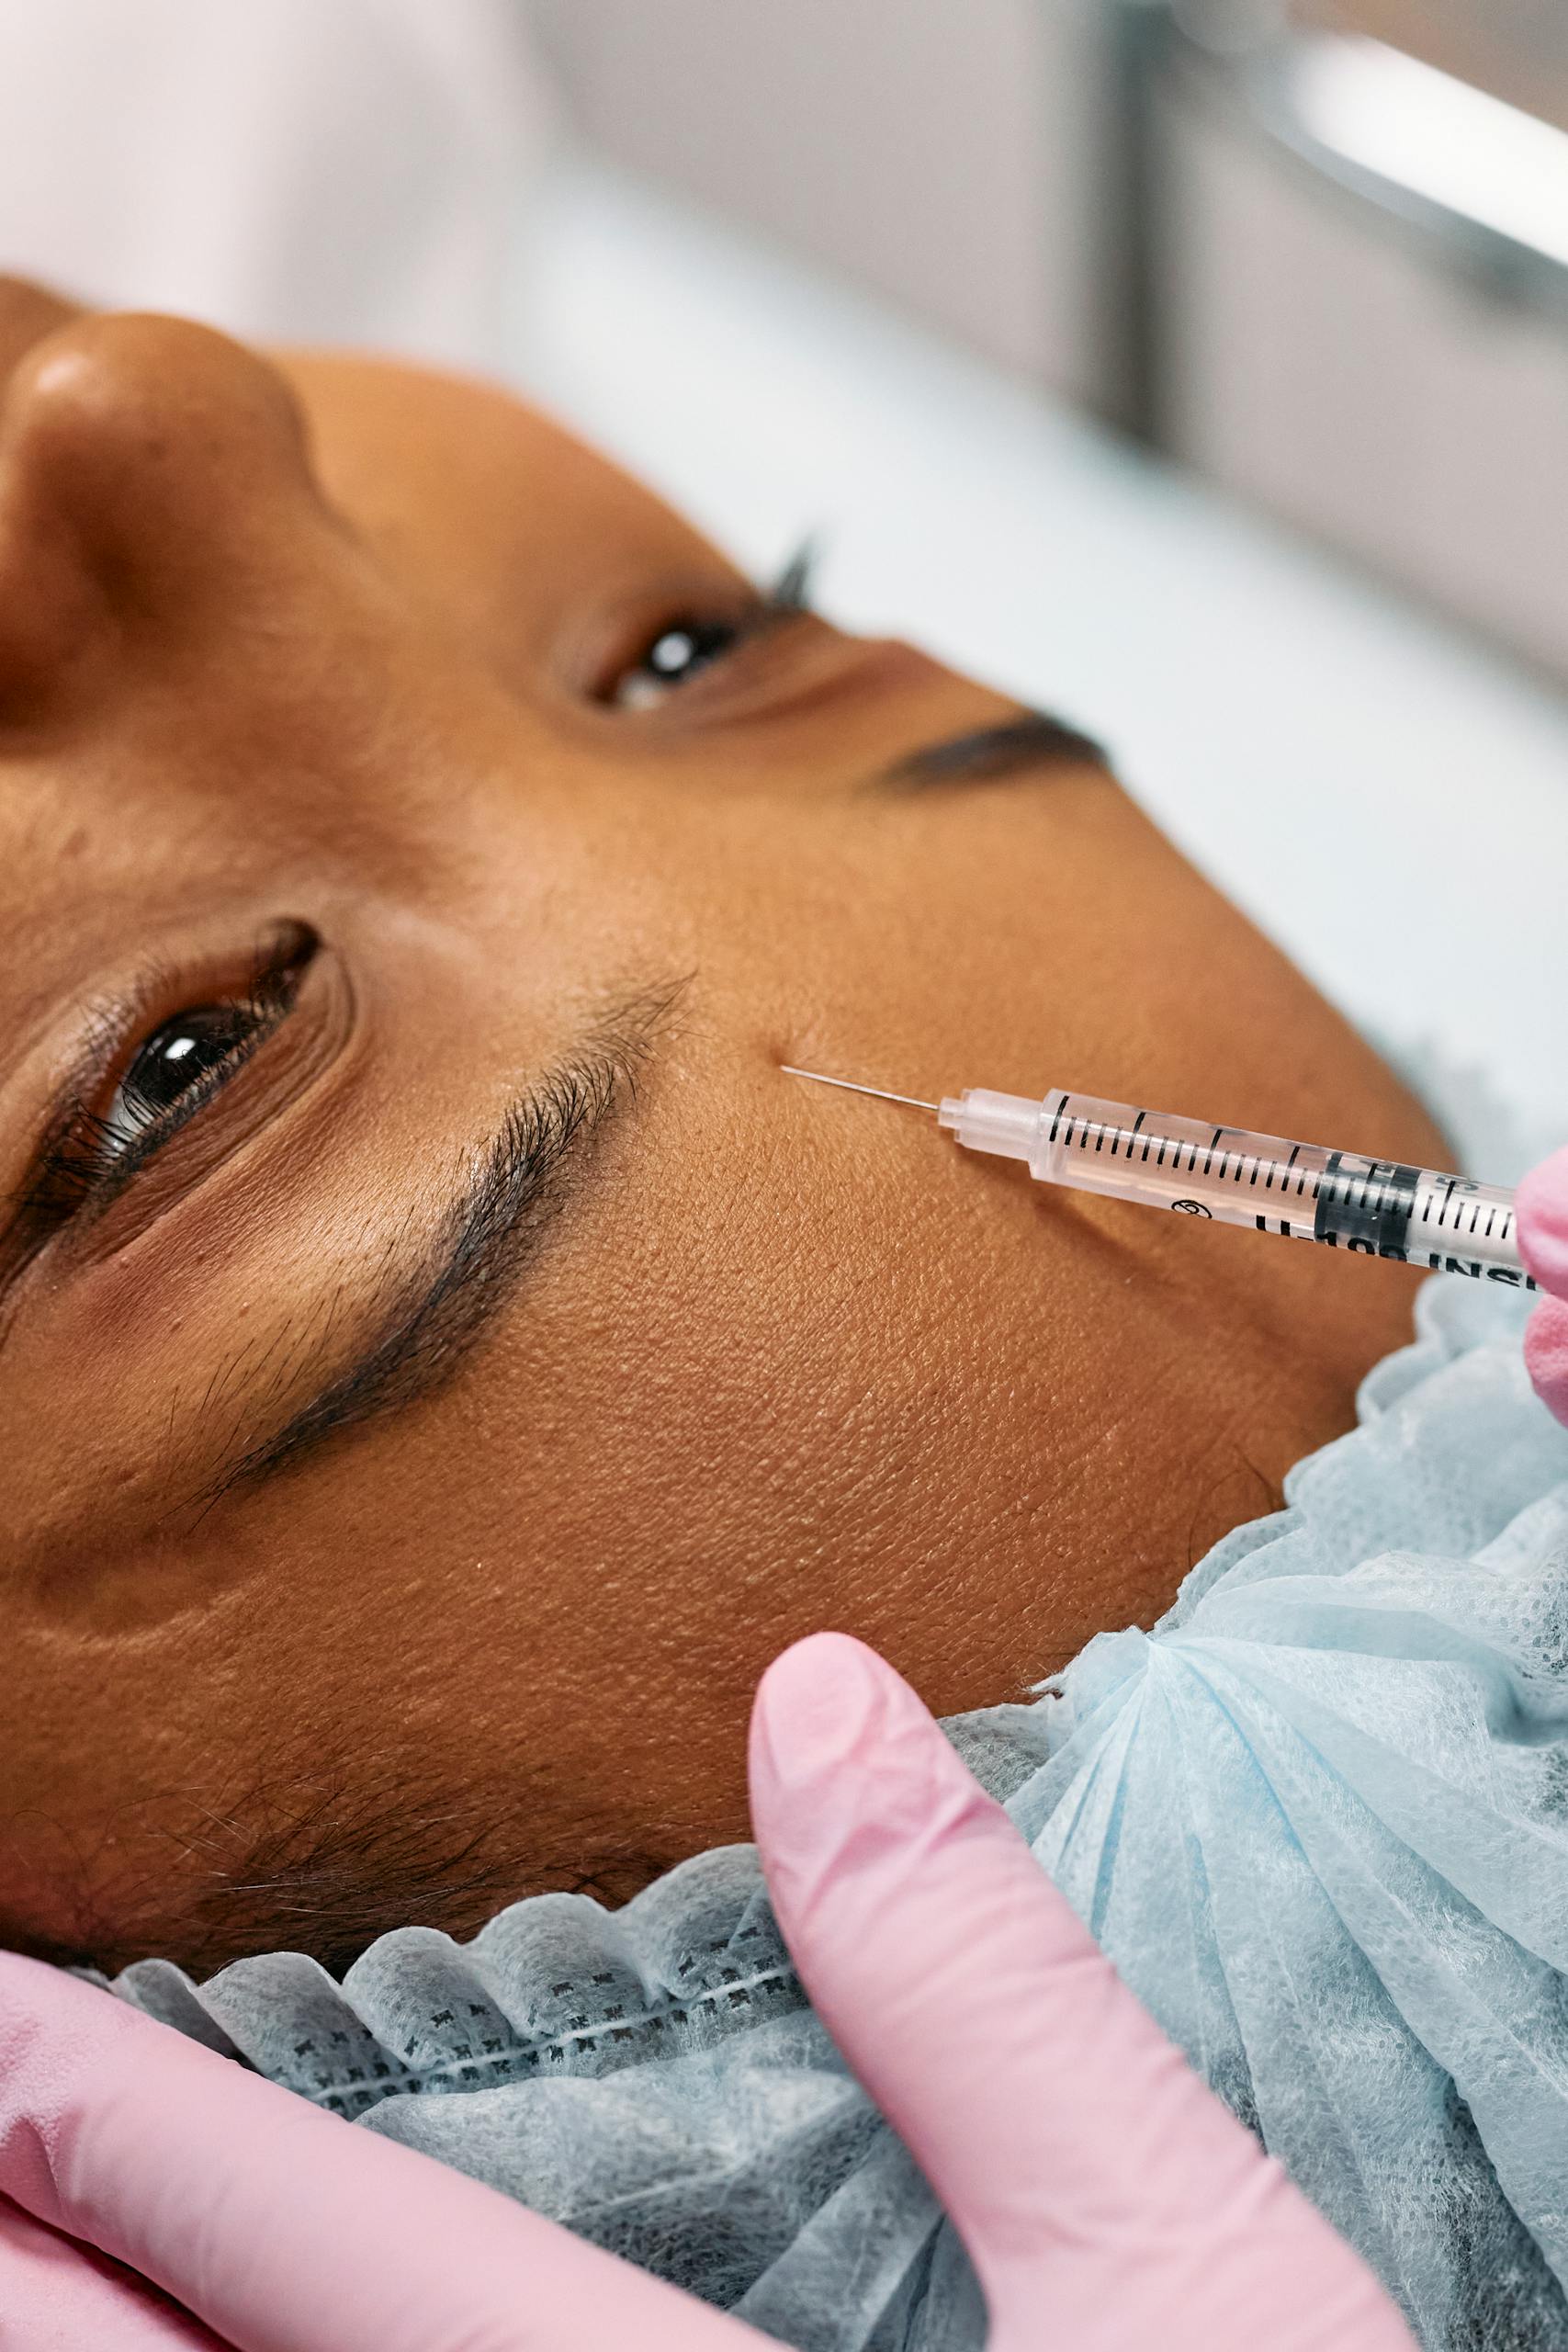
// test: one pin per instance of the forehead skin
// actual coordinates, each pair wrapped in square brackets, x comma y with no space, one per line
[319,641]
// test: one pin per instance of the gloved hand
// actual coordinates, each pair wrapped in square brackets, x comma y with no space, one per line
[1543,1240]
[1107,2199]
[281,2227]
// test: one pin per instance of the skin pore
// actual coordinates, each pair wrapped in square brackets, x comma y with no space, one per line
[441,1357]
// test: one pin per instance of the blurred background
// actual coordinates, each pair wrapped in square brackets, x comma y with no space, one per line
[1197,367]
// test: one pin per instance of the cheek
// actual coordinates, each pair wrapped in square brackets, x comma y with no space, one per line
[785,1393]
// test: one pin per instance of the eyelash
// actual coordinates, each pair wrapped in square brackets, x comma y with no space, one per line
[789,596]
[89,1160]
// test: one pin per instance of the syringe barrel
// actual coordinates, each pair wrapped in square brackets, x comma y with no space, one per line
[1376,1208]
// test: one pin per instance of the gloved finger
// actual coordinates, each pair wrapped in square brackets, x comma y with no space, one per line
[1541,1210]
[1546,1354]
[56,2293]
[284,2228]
[1053,2119]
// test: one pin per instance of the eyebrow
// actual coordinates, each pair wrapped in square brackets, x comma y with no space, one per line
[440,1308]
[1034,739]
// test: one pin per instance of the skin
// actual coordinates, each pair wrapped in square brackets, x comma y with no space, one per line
[325,641]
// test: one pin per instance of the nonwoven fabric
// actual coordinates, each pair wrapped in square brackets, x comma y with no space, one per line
[1317,1815]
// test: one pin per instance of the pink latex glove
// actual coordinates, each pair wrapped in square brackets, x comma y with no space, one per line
[282,2227]
[1543,1240]
[1107,2199]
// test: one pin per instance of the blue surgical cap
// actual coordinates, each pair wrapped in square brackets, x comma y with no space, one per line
[1318,1816]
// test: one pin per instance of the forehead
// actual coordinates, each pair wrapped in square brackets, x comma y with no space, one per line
[483,499]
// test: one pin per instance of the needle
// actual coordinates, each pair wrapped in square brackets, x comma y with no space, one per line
[1367,1206]
[851,1086]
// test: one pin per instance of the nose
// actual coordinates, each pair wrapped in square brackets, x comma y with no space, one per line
[28,312]
[148,468]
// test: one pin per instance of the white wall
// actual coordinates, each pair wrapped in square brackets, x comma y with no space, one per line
[942,152]
[965,158]
[298,170]
[1335,368]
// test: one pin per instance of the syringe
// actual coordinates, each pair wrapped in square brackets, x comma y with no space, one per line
[1374,1208]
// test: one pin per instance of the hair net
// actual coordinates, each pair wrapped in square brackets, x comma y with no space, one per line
[1318,1816]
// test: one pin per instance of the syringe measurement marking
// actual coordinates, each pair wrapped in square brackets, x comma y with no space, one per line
[1380,1196]
[1232,1167]
[1354,1194]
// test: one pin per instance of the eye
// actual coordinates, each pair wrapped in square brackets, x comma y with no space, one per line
[172,1064]
[176,1070]
[684,646]
[681,650]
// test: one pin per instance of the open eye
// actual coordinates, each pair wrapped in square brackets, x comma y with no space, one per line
[681,647]
[677,653]
[172,1064]
[176,1070]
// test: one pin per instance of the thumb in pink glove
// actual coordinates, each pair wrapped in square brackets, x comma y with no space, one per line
[1105,2197]
[278,2227]
[1543,1242]
[58,2295]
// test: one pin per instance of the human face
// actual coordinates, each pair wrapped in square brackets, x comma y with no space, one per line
[443,1356]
